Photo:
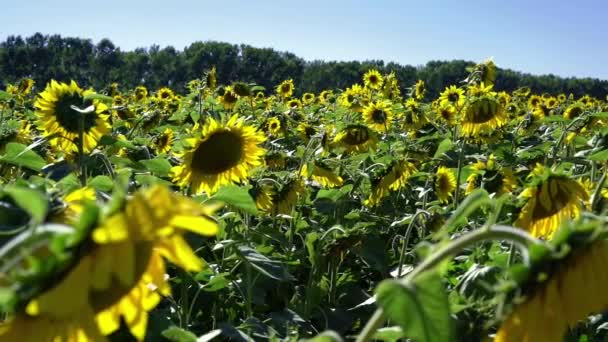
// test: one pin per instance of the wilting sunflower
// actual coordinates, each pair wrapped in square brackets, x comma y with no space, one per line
[372,79]
[287,197]
[491,177]
[285,89]
[378,115]
[445,184]
[25,86]
[164,141]
[56,116]
[223,154]
[392,178]
[356,138]
[322,174]
[140,93]
[419,90]
[482,117]
[308,98]
[306,131]
[574,110]
[263,195]
[487,72]
[550,200]
[570,294]
[274,126]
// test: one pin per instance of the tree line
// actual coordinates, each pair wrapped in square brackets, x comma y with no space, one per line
[45,57]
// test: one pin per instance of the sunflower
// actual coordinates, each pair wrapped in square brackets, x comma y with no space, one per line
[73,204]
[452,95]
[446,113]
[274,126]
[487,71]
[561,98]
[353,98]
[228,98]
[308,98]
[288,196]
[285,89]
[570,294]
[372,79]
[550,200]
[242,89]
[504,98]
[445,184]
[140,93]
[394,177]
[414,115]
[322,174]
[419,90]
[482,116]
[164,94]
[378,115]
[574,110]
[275,161]
[57,118]
[223,154]
[534,101]
[551,102]
[294,103]
[306,131]
[25,86]
[325,96]
[522,92]
[164,141]
[263,195]
[356,138]
[211,79]
[491,176]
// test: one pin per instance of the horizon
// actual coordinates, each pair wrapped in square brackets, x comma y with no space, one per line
[540,38]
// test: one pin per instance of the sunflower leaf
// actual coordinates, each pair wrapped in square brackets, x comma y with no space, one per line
[4,95]
[102,183]
[20,155]
[443,147]
[176,334]
[30,200]
[158,166]
[237,197]
[421,309]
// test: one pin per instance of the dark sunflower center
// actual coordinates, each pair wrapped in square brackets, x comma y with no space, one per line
[274,125]
[229,97]
[535,102]
[309,131]
[68,118]
[285,88]
[559,199]
[575,112]
[164,140]
[453,97]
[492,181]
[220,152]
[482,111]
[373,79]
[379,116]
[443,184]
[446,114]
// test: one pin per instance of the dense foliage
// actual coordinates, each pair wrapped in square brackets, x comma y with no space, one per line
[43,57]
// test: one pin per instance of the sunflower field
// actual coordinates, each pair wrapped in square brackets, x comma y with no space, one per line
[235,212]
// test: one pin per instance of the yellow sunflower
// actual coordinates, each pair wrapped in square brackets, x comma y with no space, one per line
[164,141]
[446,113]
[228,98]
[274,126]
[73,205]
[306,131]
[452,95]
[308,98]
[549,202]
[534,101]
[394,177]
[445,184]
[25,86]
[373,79]
[574,110]
[324,96]
[356,138]
[223,154]
[285,89]
[164,94]
[482,117]
[378,115]
[322,174]
[288,196]
[140,93]
[56,116]
[572,293]
[491,176]
[294,103]
[263,195]
[419,90]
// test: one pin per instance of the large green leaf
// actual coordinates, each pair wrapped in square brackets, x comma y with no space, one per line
[176,334]
[444,146]
[158,166]
[33,202]
[421,308]
[270,268]
[20,155]
[237,197]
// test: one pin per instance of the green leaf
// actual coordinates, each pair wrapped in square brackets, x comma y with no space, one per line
[217,283]
[599,156]
[151,180]
[102,183]
[472,202]
[389,334]
[20,155]
[4,95]
[237,197]
[176,334]
[334,194]
[8,299]
[32,201]
[99,97]
[443,147]
[270,268]
[326,336]
[158,166]
[420,309]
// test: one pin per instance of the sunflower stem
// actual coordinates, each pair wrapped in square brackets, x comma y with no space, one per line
[406,241]
[81,165]
[517,236]
[597,194]
[458,173]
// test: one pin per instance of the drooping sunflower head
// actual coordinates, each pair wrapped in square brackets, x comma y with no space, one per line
[487,71]
[25,86]
[242,89]
[140,93]
[356,138]
[222,154]
[285,89]
[391,178]
[289,194]
[228,97]
[306,131]
[419,90]
[321,174]
[482,116]
[522,92]
[275,161]
[378,115]
[55,108]
[373,79]
[445,184]
[263,195]
[574,110]
[550,199]
[211,79]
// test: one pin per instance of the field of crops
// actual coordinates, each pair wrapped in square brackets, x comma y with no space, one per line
[234,212]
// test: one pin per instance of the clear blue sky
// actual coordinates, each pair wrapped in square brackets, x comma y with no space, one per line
[566,38]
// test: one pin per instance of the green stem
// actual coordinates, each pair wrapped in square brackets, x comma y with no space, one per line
[454,247]
[406,242]
[458,173]
[81,164]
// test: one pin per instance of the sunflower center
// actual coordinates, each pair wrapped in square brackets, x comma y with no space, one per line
[492,181]
[482,111]
[356,136]
[285,88]
[575,112]
[230,97]
[373,79]
[453,97]
[443,184]
[218,153]
[379,116]
[68,118]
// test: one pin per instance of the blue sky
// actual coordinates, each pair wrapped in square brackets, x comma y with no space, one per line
[560,37]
